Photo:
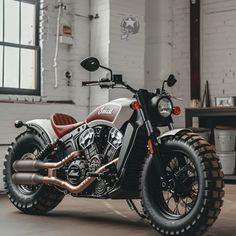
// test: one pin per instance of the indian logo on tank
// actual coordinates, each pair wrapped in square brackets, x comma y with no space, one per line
[105,111]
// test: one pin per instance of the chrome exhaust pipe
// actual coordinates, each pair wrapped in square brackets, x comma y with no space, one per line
[33,178]
[35,165]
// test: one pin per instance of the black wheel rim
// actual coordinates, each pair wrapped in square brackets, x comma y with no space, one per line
[177,197]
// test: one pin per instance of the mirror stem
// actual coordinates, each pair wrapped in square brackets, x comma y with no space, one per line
[107,69]
[163,85]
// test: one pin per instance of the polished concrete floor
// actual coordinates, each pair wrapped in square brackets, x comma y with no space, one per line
[86,217]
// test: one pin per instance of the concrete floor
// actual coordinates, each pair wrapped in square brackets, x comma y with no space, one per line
[87,217]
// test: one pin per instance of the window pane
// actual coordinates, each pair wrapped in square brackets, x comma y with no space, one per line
[11,67]
[12,21]
[27,24]
[1,20]
[27,69]
[1,62]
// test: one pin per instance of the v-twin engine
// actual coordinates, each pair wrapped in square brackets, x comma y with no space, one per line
[100,145]
[101,140]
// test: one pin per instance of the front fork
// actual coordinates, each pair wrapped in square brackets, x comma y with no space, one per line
[153,141]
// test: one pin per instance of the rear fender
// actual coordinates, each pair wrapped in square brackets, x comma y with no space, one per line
[44,128]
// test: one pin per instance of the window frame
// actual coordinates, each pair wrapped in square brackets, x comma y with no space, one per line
[36,48]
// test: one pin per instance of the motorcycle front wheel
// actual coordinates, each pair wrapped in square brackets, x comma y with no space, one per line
[189,200]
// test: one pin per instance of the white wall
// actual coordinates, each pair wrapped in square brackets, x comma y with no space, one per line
[181,56]
[168,48]
[124,57]
[218,47]
[100,38]
[100,42]
[68,56]
[164,34]
[159,37]
[127,55]
[68,59]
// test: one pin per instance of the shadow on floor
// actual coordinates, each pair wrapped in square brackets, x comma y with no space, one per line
[95,217]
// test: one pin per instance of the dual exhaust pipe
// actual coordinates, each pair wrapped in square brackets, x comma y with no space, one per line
[26,173]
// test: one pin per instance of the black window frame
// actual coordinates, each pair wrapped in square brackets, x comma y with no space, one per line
[36,47]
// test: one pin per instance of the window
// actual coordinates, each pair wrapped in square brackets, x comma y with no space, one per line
[19,47]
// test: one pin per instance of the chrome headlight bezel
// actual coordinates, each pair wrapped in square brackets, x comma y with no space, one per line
[164,107]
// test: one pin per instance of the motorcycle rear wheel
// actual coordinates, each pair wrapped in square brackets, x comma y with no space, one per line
[190,201]
[30,199]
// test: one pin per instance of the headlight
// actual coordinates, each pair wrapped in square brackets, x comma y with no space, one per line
[164,107]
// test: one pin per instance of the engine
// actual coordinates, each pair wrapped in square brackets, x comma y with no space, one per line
[100,145]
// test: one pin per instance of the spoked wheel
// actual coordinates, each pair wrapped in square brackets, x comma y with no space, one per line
[32,199]
[178,196]
[188,201]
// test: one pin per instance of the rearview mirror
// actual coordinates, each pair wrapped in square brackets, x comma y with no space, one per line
[171,80]
[91,64]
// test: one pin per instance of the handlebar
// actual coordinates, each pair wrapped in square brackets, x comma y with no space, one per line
[87,83]
[103,83]
[106,83]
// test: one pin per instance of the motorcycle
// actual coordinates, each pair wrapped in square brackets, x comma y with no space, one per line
[118,152]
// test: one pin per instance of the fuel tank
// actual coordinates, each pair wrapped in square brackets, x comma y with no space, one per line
[114,113]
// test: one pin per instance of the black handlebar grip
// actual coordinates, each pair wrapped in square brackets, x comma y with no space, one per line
[85,83]
[106,85]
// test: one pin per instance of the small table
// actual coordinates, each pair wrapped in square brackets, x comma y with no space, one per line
[210,117]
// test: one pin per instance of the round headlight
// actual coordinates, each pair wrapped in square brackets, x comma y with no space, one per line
[165,107]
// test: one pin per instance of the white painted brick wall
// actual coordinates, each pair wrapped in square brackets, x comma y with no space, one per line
[218,47]
[218,52]
[126,57]
[181,56]
[168,48]
[68,59]
[100,42]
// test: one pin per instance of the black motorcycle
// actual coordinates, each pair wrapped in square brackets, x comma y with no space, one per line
[118,152]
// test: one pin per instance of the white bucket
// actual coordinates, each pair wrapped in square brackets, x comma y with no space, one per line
[227,160]
[225,140]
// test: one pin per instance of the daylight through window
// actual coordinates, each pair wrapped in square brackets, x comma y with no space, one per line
[19,47]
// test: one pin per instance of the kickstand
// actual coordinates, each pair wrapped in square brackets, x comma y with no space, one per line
[134,208]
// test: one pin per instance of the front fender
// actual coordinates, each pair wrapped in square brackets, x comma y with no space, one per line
[44,127]
[173,133]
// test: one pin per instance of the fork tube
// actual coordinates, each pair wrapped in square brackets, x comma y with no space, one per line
[151,134]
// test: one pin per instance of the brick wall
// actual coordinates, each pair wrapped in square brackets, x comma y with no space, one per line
[100,38]
[167,45]
[100,42]
[181,55]
[168,48]
[68,60]
[127,51]
[218,47]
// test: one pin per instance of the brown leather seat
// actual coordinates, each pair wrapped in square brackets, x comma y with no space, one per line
[63,124]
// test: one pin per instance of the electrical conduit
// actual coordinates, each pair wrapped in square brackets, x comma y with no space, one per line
[57,43]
